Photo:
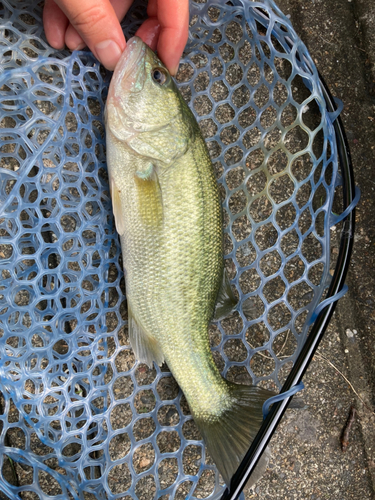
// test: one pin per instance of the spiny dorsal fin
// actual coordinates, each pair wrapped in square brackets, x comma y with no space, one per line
[226,301]
[145,347]
[116,205]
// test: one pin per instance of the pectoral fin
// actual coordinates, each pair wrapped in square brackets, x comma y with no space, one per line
[116,205]
[150,203]
[145,347]
[226,301]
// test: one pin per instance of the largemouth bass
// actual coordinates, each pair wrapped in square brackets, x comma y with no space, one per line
[167,211]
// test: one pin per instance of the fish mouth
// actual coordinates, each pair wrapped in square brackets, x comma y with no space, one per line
[129,74]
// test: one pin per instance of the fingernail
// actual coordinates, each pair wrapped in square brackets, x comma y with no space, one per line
[108,53]
[174,69]
[80,46]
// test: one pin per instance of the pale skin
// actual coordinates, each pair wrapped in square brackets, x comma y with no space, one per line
[96,24]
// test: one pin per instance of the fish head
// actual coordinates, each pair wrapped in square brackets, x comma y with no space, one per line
[145,110]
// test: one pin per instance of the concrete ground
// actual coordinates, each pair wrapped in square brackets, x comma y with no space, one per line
[307,461]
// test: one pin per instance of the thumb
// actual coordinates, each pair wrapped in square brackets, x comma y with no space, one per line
[96,22]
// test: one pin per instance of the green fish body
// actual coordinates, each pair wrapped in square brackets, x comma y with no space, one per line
[167,211]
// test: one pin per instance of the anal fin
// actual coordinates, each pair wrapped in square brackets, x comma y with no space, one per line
[145,347]
[226,301]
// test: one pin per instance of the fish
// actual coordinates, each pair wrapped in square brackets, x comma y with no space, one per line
[167,210]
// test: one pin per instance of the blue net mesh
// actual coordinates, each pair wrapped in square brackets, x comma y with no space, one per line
[80,417]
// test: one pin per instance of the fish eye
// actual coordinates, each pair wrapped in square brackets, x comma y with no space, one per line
[159,75]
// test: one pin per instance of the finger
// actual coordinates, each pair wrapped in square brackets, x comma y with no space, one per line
[173,16]
[74,40]
[97,24]
[149,32]
[55,23]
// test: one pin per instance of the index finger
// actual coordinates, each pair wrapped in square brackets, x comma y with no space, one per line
[173,16]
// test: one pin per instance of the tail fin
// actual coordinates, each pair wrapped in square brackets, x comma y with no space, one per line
[228,437]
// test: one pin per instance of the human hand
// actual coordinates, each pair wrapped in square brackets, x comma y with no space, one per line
[96,23]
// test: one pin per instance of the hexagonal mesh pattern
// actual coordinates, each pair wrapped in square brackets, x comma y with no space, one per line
[80,417]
